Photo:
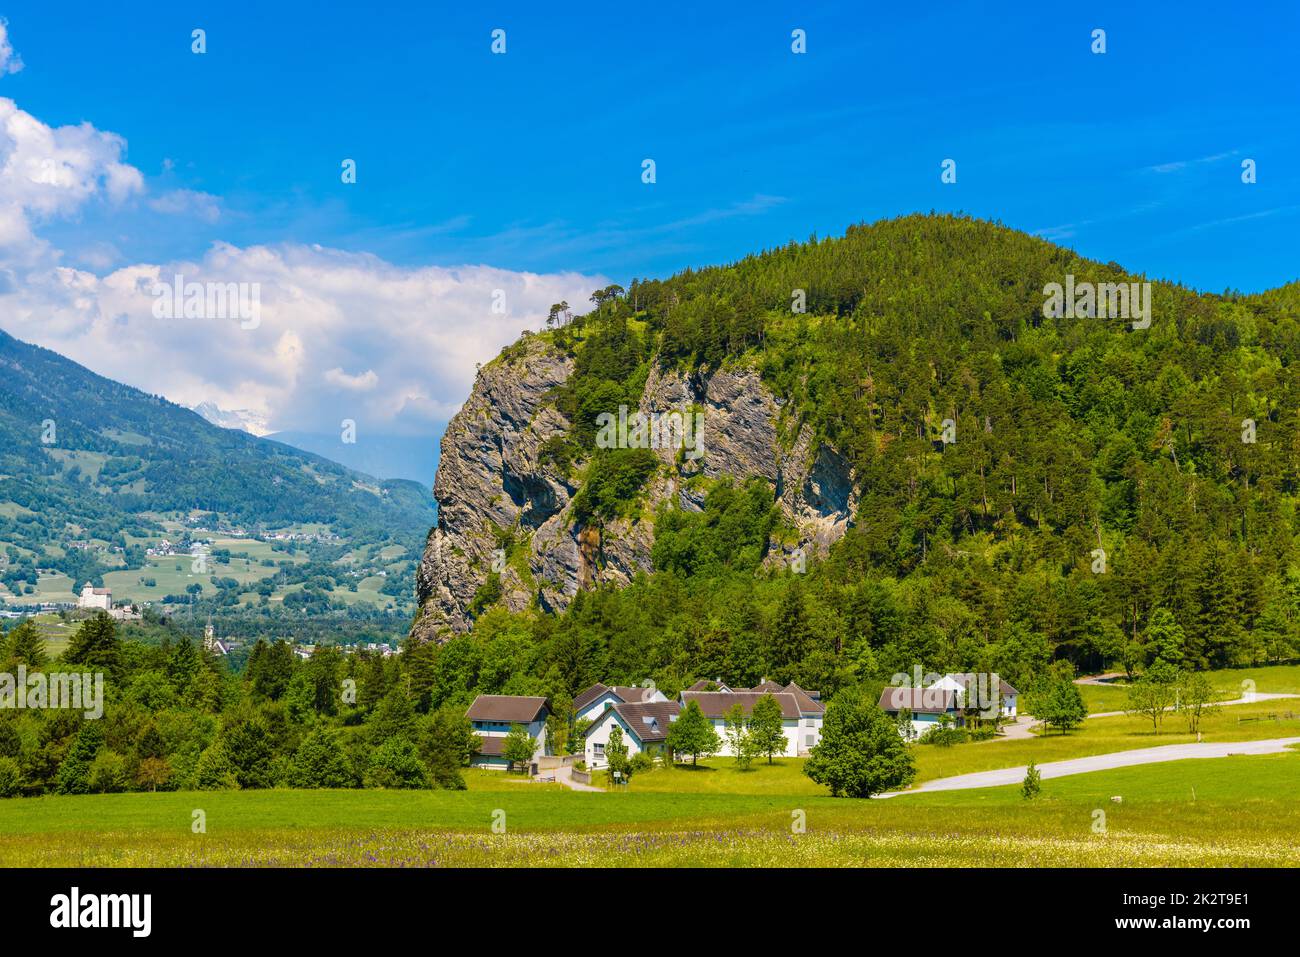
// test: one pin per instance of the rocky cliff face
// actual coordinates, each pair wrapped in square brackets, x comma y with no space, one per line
[493,488]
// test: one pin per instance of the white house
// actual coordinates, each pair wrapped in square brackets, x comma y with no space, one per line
[974,692]
[593,702]
[925,706]
[492,716]
[95,597]
[645,728]
[811,713]
[716,704]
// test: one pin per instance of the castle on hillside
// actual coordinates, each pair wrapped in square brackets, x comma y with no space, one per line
[91,597]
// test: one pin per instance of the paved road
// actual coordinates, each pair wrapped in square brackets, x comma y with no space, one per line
[564,776]
[1106,679]
[1254,699]
[1101,762]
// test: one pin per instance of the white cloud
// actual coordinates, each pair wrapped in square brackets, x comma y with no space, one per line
[53,171]
[355,383]
[414,333]
[10,62]
[188,202]
[410,336]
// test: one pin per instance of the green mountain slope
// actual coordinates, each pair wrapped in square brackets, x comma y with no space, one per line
[87,461]
[1105,500]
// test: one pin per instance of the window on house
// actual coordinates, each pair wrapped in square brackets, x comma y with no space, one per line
[598,750]
[810,740]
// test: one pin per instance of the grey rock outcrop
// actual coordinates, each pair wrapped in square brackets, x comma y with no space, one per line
[494,486]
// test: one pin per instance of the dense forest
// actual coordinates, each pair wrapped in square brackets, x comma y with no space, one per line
[177,718]
[1106,502]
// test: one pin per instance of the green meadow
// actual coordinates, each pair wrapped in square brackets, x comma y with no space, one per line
[1230,683]
[1235,812]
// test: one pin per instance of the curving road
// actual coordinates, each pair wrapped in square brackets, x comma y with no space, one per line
[1101,762]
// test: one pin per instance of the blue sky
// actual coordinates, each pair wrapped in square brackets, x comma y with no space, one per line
[126,159]
[531,160]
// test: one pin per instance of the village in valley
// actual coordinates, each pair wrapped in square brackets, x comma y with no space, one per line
[519,731]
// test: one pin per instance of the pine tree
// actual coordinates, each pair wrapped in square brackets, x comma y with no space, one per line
[74,772]
[95,645]
[25,645]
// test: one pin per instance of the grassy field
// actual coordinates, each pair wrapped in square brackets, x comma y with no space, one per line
[1230,812]
[1229,682]
[1224,812]
[1103,735]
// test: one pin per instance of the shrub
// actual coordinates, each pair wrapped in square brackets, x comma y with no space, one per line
[108,773]
[11,777]
[1031,786]
[397,764]
[215,771]
[944,736]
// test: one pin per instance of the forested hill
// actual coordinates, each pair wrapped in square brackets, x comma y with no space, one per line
[85,458]
[1105,500]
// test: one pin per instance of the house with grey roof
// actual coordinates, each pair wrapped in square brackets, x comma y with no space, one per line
[962,697]
[493,715]
[645,728]
[798,734]
[925,707]
[593,702]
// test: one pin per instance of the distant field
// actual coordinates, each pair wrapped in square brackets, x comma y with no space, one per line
[1225,812]
[57,633]
[1229,682]
[1104,735]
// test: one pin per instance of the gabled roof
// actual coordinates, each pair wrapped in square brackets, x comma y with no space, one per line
[715,704]
[507,707]
[647,721]
[590,695]
[705,685]
[488,744]
[918,700]
[807,703]
[968,678]
[632,694]
[767,684]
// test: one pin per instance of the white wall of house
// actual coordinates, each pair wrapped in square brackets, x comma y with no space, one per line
[810,732]
[793,737]
[499,729]
[598,740]
[599,706]
[921,723]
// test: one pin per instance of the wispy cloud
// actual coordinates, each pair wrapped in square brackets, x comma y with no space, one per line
[1176,165]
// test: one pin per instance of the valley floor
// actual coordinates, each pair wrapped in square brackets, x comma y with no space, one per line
[1232,810]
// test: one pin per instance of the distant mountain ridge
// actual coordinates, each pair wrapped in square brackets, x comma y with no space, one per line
[85,457]
[251,422]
